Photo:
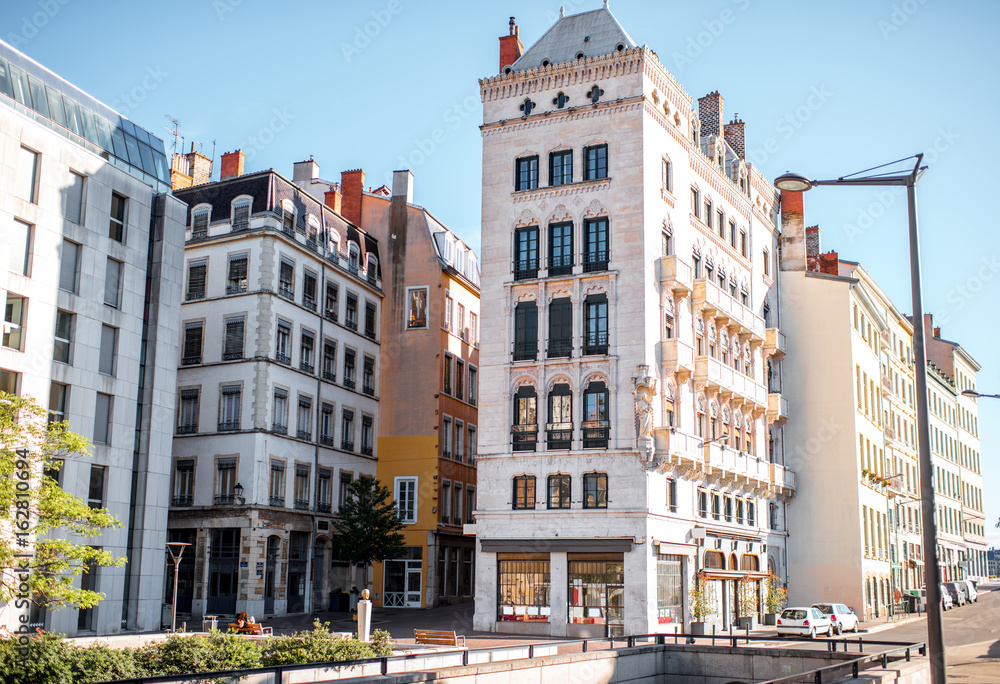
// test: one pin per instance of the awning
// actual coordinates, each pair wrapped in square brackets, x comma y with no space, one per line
[557,545]
[732,574]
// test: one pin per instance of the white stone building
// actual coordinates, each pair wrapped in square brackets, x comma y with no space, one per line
[855,526]
[277,390]
[91,239]
[628,436]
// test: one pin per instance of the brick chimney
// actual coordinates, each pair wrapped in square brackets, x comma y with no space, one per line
[793,232]
[937,331]
[511,47]
[735,135]
[231,165]
[332,199]
[828,263]
[710,114]
[812,248]
[352,186]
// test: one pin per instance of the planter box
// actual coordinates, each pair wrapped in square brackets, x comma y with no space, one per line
[748,622]
[698,628]
[770,619]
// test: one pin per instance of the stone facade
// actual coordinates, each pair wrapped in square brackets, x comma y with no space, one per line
[630,322]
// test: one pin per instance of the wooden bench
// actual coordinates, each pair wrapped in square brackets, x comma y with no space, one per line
[254,629]
[438,637]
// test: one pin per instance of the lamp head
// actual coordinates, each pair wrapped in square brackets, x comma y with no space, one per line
[971,393]
[238,491]
[792,182]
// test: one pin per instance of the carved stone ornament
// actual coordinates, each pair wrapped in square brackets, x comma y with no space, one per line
[644,391]
[595,208]
[559,214]
[526,219]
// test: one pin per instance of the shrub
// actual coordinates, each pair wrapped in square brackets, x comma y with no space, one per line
[101,663]
[186,654]
[48,661]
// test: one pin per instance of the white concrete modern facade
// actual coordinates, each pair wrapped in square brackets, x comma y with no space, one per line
[630,339]
[277,391]
[93,247]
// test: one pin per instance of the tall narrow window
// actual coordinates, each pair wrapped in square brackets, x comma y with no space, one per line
[744,244]
[347,430]
[596,325]
[109,348]
[350,378]
[113,283]
[596,420]
[19,245]
[282,349]
[13,321]
[330,360]
[460,379]
[666,244]
[279,424]
[561,167]
[416,315]
[276,485]
[229,408]
[58,399]
[406,500]
[524,492]
[95,490]
[307,353]
[351,311]
[672,495]
[595,490]
[596,162]
[371,318]
[301,501]
[303,422]
[368,376]
[309,289]
[446,435]
[226,474]
[26,185]
[330,305]
[367,431]
[526,173]
[188,419]
[233,347]
[526,253]
[560,249]
[183,483]
[102,419]
[286,279]
[559,490]
[595,248]
[241,215]
[199,224]
[524,429]
[473,329]
[559,430]
[326,425]
[560,328]
[449,306]
[69,266]
[192,344]
[197,271]
[473,386]
[116,229]
[237,279]
[449,365]
[526,331]
[666,176]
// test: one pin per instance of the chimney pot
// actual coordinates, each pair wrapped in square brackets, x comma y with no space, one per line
[511,47]
[231,165]
[352,187]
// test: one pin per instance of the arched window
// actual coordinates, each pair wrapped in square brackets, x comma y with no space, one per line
[200,218]
[560,423]
[714,560]
[288,217]
[748,434]
[596,418]
[699,335]
[353,256]
[699,425]
[524,429]
[312,230]
[733,563]
[712,346]
[371,267]
[333,241]
[241,213]
[668,404]
[749,563]
[737,435]
[725,422]
[713,420]
[725,349]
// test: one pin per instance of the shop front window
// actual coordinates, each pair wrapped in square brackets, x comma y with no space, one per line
[597,590]
[523,584]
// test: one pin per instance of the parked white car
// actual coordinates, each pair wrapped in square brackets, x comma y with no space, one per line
[843,618]
[946,602]
[809,621]
[970,587]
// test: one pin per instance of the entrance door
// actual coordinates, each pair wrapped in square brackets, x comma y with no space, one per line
[270,567]
[413,584]
[222,584]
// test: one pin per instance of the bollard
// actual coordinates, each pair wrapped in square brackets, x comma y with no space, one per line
[713,635]
[861,645]
[885,661]
[907,655]
[748,633]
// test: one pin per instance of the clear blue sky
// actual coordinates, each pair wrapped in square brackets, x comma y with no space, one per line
[825,88]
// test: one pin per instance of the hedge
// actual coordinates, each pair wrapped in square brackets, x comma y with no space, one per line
[53,660]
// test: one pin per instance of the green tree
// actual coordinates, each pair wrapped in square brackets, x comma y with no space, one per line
[368,529]
[42,526]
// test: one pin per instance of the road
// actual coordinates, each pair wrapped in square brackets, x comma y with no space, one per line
[971,638]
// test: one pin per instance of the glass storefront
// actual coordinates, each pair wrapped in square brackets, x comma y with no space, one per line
[669,589]
[523,581]
[597,590]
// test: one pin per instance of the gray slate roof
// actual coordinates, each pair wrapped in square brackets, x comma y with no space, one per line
[593,33]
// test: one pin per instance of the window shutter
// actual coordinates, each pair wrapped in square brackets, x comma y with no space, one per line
[286,273]
[238,267]
[561,320]
[234,336]
[192,342]
[526,323]
[196,280]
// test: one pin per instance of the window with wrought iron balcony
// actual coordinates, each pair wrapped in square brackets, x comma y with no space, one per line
[182,501]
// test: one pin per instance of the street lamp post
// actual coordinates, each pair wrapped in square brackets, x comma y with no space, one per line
[176,550]
[976,395]
[794,182]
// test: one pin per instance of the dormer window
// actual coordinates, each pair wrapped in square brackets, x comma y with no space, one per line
[241,214]
[199,223]
[371,267]
[333,242]
[353,257]
[288,217]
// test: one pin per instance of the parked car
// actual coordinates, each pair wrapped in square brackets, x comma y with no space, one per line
[959,594]
[970,586]
[842,617]
[946,602]
[809,621]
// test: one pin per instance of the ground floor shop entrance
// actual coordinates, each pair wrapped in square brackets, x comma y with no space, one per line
[596,595]
[402,580]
